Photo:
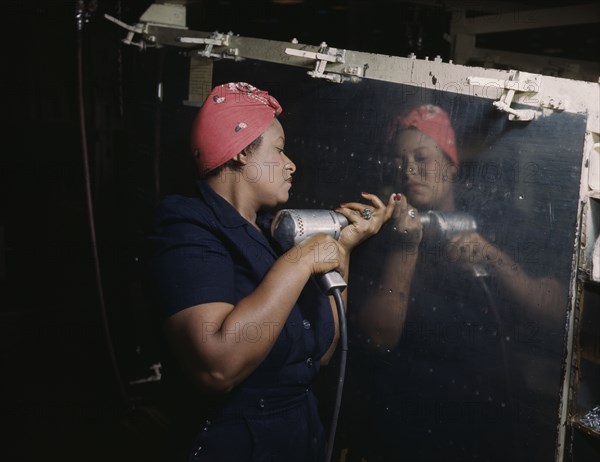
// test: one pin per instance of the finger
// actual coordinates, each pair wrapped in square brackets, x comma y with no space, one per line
[352,215]
[366,212]
[356,206]
[392,205]
[377,203]
[457,240]
[402,206]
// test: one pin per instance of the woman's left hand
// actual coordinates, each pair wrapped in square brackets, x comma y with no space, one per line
[470,248]
[365,220]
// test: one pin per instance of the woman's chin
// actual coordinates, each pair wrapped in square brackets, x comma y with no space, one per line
[419,202]
[279,200]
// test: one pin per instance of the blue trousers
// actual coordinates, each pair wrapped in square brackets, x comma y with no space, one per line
[276,425]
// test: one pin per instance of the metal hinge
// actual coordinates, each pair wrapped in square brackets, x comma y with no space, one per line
[324,56]
[517,82]
[216,39]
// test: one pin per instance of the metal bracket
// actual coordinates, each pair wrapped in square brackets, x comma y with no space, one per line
[155,377]
[139,28]
[160,15]
[324,56]
[517,82]
[216,39]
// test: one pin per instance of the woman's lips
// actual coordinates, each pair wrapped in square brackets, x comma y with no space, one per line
[415,187]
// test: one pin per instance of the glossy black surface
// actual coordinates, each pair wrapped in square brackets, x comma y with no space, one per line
[478,369]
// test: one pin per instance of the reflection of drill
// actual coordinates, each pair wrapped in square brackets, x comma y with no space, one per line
[440,227]
[291,226]
[443,226]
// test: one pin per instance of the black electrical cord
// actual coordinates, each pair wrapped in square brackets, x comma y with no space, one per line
[337,295]
[90,206]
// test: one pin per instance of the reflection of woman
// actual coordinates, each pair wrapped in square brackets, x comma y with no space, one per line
[247,328]
[439,385]
[424,152]
[423,149]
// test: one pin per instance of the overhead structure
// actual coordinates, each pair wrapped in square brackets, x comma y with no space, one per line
[530,173]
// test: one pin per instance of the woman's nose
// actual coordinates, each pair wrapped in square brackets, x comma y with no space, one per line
[406,170]
[405,166]
[289,165]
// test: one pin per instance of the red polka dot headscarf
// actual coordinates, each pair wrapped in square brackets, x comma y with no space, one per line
[233,116]
[434,122]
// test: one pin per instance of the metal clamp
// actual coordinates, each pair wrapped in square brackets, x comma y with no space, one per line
[324,56]
[517,82]
[167,15]
[216,39]
[139,28]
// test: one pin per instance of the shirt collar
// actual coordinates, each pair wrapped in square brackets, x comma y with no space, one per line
[226,213]
[223,210]
[229,217]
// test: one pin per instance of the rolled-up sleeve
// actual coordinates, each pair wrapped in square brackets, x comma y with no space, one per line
[189,265]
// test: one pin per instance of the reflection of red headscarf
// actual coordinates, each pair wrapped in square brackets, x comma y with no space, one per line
[232,117]
[435,123]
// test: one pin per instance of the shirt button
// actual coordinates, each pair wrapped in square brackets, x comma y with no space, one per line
[306,323]
[261,403]
[309,362]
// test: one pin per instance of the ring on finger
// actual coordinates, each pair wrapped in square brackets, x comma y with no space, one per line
[412,213]
[367,213]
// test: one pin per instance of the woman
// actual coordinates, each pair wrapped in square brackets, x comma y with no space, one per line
[247,327]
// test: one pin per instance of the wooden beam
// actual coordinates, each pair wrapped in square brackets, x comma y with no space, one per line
[530,19]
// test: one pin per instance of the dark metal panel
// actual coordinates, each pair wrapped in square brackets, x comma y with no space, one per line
[477,372]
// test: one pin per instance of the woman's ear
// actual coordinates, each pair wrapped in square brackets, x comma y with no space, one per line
[241,158]
[451,172]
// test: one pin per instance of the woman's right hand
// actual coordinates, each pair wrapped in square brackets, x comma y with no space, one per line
[318,254]
[407,227]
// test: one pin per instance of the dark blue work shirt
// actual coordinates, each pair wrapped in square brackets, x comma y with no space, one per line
[204,251]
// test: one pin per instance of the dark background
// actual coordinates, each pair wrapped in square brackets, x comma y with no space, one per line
[63,397]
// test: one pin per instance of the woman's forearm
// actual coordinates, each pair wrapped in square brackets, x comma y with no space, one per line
[221,344]
[383,315]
